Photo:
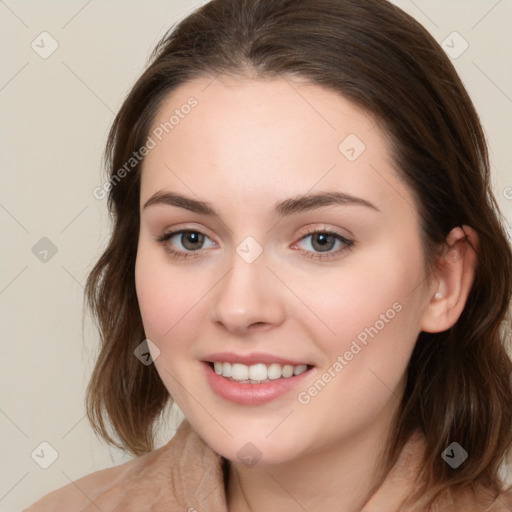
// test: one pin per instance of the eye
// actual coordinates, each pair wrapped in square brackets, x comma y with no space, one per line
[192,241]
[324,242]
[320,245]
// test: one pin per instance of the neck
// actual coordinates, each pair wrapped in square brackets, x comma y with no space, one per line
[341,477]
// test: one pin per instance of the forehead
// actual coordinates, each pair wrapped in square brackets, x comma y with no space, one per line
[276,118]
[274,137]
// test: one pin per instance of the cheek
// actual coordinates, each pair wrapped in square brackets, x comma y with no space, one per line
[373,310]
[167,303]
[166,293]
[364,295]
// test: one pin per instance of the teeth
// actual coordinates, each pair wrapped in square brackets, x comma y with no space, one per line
[239,372]
[274,371]
[297,370]
[227,370]
[287,370]
[257,372]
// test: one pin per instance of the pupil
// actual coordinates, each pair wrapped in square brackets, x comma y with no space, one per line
[192,238]
[324,241]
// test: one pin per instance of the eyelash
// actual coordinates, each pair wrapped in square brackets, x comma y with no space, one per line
[348,244]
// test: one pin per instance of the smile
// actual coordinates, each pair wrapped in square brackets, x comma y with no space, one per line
[257,373]
[255,383]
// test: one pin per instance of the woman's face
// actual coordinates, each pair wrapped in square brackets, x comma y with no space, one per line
[252,285]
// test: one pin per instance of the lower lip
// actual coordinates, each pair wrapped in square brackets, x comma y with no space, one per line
[252,394]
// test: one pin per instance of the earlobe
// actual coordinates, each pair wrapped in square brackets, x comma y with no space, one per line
[454,275]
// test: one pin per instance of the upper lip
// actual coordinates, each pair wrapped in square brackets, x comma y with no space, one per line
[250,359]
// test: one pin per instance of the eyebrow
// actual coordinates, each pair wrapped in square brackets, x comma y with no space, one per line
[291,206]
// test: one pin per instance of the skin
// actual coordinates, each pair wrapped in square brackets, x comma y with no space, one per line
[248,144]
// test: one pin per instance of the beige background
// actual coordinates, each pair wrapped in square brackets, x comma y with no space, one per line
[55,116]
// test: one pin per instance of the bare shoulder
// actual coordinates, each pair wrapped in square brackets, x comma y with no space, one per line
[103,487]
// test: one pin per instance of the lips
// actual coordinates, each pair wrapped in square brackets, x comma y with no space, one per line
[253,391]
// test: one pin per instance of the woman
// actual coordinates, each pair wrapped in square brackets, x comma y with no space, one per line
[306,246]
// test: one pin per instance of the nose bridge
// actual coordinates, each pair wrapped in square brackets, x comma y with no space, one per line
[247,294]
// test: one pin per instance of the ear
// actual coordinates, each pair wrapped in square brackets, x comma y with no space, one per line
[452,280]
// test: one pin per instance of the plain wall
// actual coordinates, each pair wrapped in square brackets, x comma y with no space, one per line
[56,113]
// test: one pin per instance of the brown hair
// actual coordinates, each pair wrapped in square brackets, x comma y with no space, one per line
[458,381]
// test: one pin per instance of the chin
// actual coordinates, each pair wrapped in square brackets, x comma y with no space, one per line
[253,447]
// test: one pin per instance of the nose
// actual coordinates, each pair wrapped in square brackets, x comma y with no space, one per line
[248,298]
